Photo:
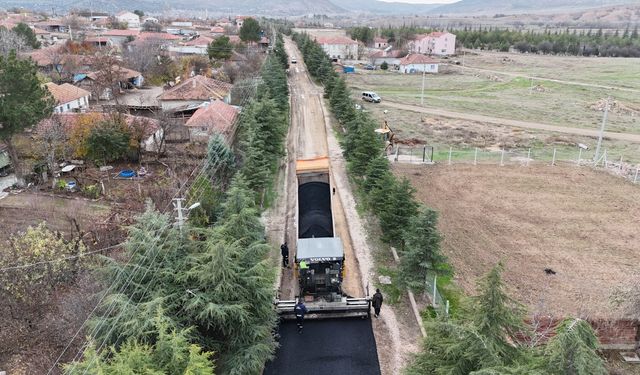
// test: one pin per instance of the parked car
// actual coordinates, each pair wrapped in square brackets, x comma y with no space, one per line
[294,60]
[370,67]
[371,96]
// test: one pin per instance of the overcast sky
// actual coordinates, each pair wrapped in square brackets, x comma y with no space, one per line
[421,1]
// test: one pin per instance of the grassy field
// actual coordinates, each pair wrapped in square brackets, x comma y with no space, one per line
[511,97]
[415,129]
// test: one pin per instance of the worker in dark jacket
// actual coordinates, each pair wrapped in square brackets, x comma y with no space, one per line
[300,310]
[284,250]
[376,301]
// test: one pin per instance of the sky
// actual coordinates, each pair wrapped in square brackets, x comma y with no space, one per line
[421,1]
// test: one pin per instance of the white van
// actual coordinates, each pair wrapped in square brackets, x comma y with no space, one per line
[371,96]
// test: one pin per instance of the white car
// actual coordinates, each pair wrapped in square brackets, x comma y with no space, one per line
[294,60]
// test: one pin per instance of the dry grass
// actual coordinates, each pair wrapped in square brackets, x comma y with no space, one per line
[508,96]
[580,223]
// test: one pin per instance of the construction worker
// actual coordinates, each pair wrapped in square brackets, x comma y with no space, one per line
[300,309]
[376,301]
[284,250]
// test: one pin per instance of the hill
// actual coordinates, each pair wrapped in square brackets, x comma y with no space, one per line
[381,7]
[523,6]
[225,7]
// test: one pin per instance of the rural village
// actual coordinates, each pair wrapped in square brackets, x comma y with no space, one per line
[319,187]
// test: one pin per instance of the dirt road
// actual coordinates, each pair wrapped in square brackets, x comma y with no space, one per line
[308,139]
[514,123]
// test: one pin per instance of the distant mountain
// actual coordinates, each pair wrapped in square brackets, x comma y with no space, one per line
[523,6]
[382,7]
[227,7]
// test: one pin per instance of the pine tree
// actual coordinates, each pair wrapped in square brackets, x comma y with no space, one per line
[376,171]
[497,317]
[28,34]
[399,207]
[421,253]
[23,102]
[171,353]
[572,351]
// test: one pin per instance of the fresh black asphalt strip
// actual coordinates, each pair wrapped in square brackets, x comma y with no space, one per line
[327,347]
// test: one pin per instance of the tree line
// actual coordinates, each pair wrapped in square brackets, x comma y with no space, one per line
[624,43]
[405,223]
[489,334]
[185,299]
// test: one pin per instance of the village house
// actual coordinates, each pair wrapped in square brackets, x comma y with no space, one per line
[119,37]
[197,46]
[92,16]
[390,56]
[435,43]
[131,19]
[68,97]
[150,20]
[216,117]
[339,47]
[98,82]
[193,92]
[380,43]
[99,42]
[217,31]
[240,21]
[416,63]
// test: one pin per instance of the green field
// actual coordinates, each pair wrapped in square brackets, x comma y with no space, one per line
[511,97]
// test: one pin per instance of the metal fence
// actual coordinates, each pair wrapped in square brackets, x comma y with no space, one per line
[440,305]
[616,164]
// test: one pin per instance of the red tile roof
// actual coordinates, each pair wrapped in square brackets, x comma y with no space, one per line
[218,117]
[417,59]
[197,88]
[199,41]
[66,92]
[163,36]
[381,54]
[335,40]
[116,32]
[122,72]
[217,30]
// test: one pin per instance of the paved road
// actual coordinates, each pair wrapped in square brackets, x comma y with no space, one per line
[332,347]
[326,347]
[515,123]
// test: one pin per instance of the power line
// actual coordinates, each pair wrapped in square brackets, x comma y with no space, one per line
[110,308]
[23,266]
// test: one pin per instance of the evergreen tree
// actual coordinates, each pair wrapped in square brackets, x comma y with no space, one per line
[421,253]
[220,49]
[171,353]
[23,102]
[28,34]
[375,173]
[250,30]
[498,317]
[399,207]
[220,159]
[572,351]
[144,284]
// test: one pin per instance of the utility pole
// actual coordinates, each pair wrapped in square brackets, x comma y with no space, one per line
[180,219]
[424,74]
[604,123]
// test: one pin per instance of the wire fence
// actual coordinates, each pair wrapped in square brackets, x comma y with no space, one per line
[439,304]
[603,159]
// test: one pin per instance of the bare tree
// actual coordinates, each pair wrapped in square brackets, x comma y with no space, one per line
[168,125]
[143,57]
[10,40]
[52,138]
